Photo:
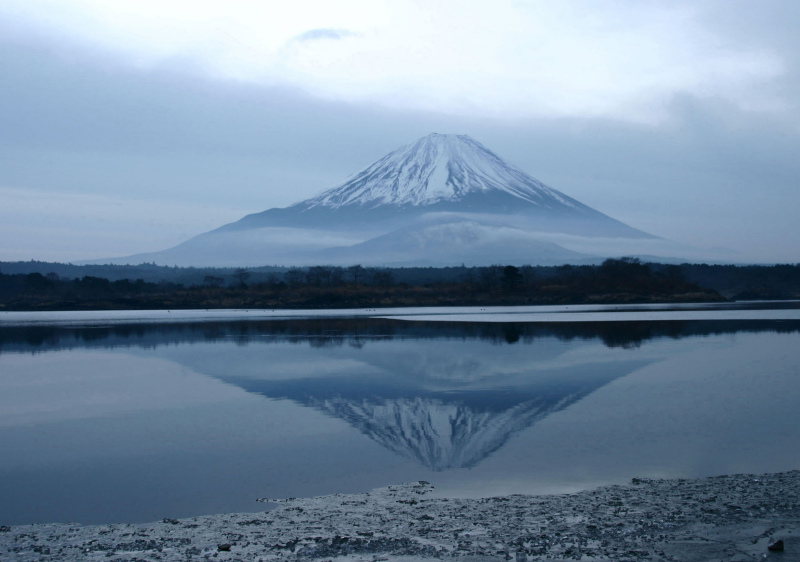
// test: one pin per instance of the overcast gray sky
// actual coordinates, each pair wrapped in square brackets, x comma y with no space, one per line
[129,126]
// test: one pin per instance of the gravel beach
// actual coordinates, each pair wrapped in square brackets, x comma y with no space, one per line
[730,518]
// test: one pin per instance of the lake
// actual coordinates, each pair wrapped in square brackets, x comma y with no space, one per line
[138,416]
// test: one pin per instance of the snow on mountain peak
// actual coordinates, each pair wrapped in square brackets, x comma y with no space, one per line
[437,168]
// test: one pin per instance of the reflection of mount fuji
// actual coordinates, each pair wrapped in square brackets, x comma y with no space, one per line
[444,394]
[438,434]
[443,429]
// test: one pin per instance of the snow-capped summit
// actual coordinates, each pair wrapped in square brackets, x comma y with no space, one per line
[437,168]
[443,200]
[439,175]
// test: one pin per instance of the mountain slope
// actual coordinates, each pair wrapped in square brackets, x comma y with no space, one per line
[442,200]
[439,174]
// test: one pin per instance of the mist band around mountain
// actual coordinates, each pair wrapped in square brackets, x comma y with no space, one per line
[444,200]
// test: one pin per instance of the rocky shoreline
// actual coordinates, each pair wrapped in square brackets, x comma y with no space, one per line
[733,518]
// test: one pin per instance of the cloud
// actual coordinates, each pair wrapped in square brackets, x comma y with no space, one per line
[122,118]
[318,34]
[63,227]
[598,58]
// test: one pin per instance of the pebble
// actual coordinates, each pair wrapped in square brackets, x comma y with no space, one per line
[718,518]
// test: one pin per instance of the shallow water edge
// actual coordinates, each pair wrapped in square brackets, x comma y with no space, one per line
[735,517]
[748,310]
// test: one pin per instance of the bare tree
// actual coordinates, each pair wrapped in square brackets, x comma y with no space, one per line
[337,275]
[319,275]
[382,278]
[241,275]
[490,276]
[356,272]
[528,274]
[294,277]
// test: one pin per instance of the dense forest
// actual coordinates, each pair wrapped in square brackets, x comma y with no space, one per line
[44,286]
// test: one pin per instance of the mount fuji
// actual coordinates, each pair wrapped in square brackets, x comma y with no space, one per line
[444,200]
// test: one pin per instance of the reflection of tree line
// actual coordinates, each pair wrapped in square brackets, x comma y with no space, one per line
[357,332]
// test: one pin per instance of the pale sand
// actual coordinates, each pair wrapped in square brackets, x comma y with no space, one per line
[728,518]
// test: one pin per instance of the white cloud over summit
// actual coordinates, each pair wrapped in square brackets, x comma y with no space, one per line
[508,58]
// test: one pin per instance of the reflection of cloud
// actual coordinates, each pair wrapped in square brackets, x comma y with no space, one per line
[317,34]
[79,385]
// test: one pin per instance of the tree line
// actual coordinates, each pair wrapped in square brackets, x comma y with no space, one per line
[735,282]
[315,276]
[626,280]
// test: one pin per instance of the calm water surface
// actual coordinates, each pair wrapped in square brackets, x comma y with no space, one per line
[113,418]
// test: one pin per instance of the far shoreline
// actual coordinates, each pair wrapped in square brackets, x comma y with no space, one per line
[746,310]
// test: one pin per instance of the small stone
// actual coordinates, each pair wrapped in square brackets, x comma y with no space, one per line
[224,547]
[777,546]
